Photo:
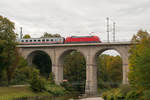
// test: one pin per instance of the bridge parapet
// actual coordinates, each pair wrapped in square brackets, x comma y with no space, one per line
[82,44]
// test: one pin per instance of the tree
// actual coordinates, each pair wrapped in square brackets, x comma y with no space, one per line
[75,70]
[140,62]
[139,36]
[3,62]
[9,53]
[109,71]
[26,36]
[46,35]
[2,53]
[7,30]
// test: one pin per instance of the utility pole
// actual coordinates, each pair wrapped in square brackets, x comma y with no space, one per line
[20,32]
[107,29]
[114,31]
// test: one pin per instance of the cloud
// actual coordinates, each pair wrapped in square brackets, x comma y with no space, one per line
[136,8]
[77,17]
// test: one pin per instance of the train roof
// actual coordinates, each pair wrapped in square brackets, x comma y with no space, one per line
[43,38]
[80,36]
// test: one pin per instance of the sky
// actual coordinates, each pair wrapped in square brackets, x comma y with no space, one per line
[78,17]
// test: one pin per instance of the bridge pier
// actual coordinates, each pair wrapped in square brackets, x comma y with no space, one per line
[57,71]
[91,80]
[125,67]
[125,74]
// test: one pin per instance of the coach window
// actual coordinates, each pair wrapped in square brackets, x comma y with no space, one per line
[51,39]
[39,40]
[47,39]
[26,40]
[43,40]
[34,40]
[30,40]
[22,40]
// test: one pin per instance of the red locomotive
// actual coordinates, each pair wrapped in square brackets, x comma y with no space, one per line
[61,40]
[82,39]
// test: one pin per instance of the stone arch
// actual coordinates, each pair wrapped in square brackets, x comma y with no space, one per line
[100,51]
[31,55]
[124,56]
[45,66]
[68,51]
[58,67]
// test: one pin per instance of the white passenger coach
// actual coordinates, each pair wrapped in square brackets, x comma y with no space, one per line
[57,40]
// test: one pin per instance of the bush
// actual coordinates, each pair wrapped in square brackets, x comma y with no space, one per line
[56,90]
[51,78]
[117,94]
[146,95]
[38,84]
[108,95]
[24,75]
[113,94]
[132,95]
[67,86]
[124,89]
[3,78]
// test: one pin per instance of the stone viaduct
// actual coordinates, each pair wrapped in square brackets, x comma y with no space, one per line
[90,51]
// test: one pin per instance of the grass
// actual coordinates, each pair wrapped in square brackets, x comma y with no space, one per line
[10,93]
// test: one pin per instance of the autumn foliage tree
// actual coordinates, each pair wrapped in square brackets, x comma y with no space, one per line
[139,66]
[109,71]
[140,61]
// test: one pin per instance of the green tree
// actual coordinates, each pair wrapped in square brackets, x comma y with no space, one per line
[3,62]
[140,62]
[9,53]
[27,36]
[7,30]
[2,53]
[47,35]
[75,70]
